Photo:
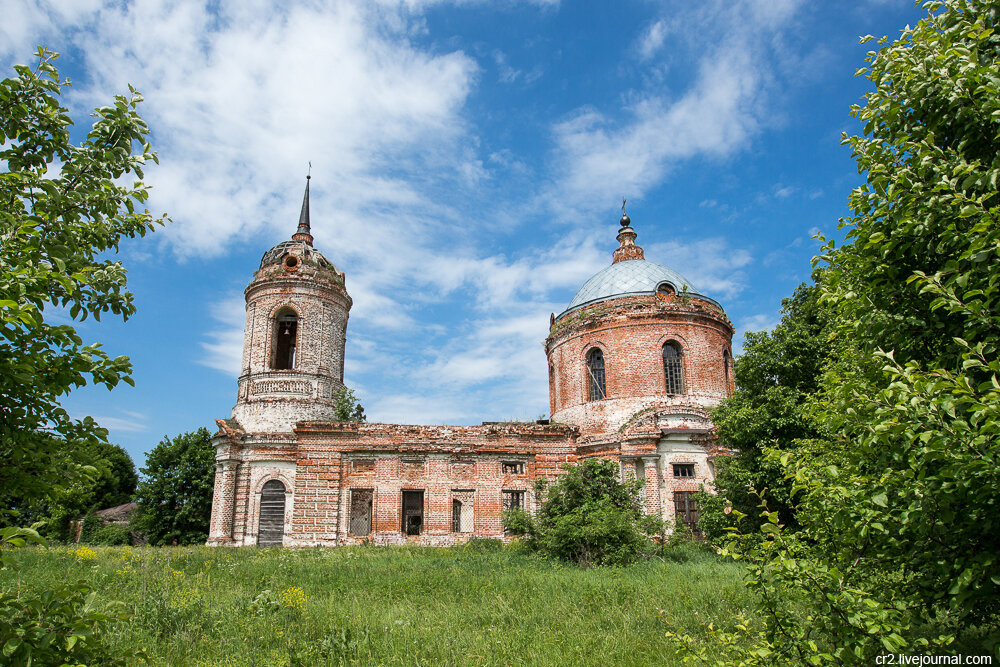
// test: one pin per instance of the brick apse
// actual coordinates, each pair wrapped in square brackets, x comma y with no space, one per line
[635,363]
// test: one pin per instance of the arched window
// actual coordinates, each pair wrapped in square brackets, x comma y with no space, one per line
[673,367]
[665,289]
[285,332]
[271,521]
[595,375]
[725,367]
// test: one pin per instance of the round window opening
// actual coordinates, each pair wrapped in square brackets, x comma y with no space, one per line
[291,262]
[666,289]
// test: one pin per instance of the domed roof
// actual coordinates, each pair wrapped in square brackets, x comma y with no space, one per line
[300,248]
[629,278]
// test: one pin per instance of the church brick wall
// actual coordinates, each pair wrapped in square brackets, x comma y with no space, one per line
[631,332]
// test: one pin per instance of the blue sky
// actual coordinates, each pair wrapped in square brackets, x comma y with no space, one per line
[469,161]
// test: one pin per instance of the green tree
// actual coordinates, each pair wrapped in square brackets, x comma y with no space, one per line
[588,516]
[916,459]
[775,376]
[899,547]
[117,480]
[63,207]
[349,407]
[175,492]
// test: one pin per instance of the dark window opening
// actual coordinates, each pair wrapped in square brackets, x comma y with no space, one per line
[725,367]
[413,512]
[595,375]
[271,522]
[673,368]
[512,467]
[513,500]
[686,509]
[284,343]
[683,470]
[360,522]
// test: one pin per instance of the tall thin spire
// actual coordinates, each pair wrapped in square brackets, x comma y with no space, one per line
[303,233]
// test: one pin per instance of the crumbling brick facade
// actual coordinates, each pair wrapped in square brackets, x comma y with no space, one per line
[289,473]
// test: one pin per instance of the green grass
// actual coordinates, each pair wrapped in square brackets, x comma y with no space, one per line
[389,606]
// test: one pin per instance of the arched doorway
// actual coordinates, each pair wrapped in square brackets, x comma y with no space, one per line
[271,528]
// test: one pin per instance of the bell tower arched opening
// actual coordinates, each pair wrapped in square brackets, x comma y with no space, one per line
[286,325]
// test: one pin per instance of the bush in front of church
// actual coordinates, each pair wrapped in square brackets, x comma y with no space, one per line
[588,517]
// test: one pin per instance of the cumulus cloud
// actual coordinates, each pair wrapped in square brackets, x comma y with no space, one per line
[241,95]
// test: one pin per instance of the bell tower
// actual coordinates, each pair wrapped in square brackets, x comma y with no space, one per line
[293,342]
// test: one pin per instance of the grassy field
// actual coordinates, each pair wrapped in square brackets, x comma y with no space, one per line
[388,606]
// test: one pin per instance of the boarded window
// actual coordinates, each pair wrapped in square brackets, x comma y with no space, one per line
[595,375]
[271,528]
[513,500]
[360,522]
[686,509]
[512,467]
[413,512]
[673,368]
[462,512]
[683,469]
[285,331]
[363,466]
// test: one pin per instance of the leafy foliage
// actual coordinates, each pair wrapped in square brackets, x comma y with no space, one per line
[776,375]
[349,407]
[588,517]
[62,206]
[175,492]
[899,548]
[57,627]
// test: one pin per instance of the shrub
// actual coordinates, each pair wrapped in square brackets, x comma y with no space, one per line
[588,517]
[91,524]
[112,535]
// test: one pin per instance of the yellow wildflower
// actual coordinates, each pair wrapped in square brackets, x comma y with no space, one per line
[83,554]
[293,598]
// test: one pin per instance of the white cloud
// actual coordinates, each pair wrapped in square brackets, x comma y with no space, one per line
[507,73]
[597,159]
[134,425]
[224,347]
[714,267]
[241,96]
[652,39]
[758,322]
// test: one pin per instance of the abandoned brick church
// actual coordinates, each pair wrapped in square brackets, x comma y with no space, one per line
[635,361]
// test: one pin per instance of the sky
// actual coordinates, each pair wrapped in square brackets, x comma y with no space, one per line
[469,161]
